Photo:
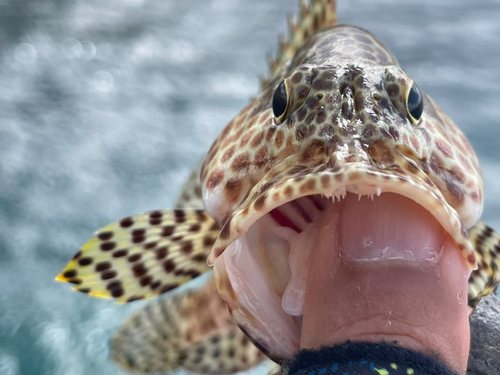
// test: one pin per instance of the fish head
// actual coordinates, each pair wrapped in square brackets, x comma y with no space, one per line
[341,118]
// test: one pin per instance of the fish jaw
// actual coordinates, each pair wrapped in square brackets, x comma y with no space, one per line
[254,264]
[281,187]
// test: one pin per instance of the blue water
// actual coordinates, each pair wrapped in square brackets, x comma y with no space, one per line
[105,105]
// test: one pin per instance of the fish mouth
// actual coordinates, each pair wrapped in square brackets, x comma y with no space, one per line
[263,254]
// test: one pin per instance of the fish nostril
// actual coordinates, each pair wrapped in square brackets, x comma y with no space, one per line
[377,97]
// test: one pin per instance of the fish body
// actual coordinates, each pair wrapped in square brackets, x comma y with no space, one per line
[336,117]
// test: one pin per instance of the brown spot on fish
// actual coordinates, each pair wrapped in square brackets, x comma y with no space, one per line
[102,266]
[308,186]
[105,236]
[194,227]
[150,245]
[138,239]
[380,152]
[155,221]
[301,114]
[259,203]
[85,261]
[353,176]
[246,138]
[313,153]
[296,78]
[208,241]
[180,216]
[108,275]
[108,246]
[232,190]
[393,89]
[279,139]
[127,222]
[139,270]
[444,147]
[199,258]
[120,254]
[134,258]
[301,132]
[435,162]
[261,157]
[161,253]
[226,230]
[115,288]
[240,162]
[325,181]
[69,274]
[257,140]
[167,231]
[228,154]
[167,287]
[214,179]
[201,215]
[138,232]
[187,248]
[169,266]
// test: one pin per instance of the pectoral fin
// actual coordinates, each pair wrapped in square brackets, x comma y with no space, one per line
[485,279]
[143,255]
[315,15]
[193,330]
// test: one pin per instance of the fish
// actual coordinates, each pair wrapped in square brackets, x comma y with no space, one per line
[337,119]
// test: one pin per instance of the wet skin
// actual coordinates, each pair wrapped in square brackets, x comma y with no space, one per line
[420,304]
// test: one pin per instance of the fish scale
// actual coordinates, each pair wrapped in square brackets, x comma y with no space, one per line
[346,126]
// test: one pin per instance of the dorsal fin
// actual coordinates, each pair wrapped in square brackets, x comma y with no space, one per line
[314,16]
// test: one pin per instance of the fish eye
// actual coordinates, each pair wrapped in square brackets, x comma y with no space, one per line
[280,102]
[414,103]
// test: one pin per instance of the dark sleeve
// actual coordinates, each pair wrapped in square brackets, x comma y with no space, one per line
[364,359]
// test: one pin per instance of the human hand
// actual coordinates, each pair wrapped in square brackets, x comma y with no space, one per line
[420,302]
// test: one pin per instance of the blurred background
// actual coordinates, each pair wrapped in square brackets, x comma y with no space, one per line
[106,105]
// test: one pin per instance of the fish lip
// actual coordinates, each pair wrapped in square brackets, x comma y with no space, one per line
[358,178]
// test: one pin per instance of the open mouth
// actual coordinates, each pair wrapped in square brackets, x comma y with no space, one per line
[264,272]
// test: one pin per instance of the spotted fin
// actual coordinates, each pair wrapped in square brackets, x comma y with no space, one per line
[143,255]
[314,16]
[193,330]
[485,279]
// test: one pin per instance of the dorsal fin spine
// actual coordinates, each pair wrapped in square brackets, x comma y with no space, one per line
[315,15]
